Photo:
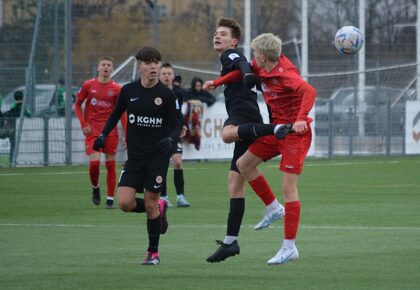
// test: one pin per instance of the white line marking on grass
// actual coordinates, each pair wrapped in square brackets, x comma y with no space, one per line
[392,185]
[344,163]
[209,226]
[207,168]
[80,172]
[45,173]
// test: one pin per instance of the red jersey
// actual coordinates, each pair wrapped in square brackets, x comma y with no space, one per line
[279,89]
[100,102]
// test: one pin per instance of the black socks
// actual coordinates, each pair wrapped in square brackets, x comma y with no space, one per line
[153,229]
[251,131]
[179,181]
[139,206]
[236,213]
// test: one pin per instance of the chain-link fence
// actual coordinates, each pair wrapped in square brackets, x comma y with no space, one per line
[348,121]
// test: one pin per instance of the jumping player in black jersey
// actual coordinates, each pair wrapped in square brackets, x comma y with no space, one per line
[154,122]
[244,125]
[166,76]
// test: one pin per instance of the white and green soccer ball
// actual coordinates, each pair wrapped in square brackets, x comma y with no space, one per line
[349,40]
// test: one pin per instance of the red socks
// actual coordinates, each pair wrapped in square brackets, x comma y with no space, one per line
[111,177]
[262,189]
[94,172]
[291,220]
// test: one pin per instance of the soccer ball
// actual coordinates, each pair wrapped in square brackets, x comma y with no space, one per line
[349,40]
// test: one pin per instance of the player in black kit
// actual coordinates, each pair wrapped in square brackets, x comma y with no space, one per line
[244,125]
[154,122]
[166,76]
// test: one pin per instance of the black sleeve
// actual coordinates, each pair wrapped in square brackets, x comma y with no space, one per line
[175,117]
[116,114]
[233,59]
[208,98]
[181,95]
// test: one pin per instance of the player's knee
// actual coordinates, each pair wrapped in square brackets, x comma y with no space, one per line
[152,209]
[125,206]
[241,165]
[227,137]
[177,162]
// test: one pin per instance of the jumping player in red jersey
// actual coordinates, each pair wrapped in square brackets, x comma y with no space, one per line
[100,96]
[290,100]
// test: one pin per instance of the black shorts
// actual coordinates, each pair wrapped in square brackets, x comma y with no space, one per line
[241,146]
[237,119]
[146,174]
[177,148]
[238,151]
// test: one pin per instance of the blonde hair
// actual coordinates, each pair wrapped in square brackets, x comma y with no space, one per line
[268,44]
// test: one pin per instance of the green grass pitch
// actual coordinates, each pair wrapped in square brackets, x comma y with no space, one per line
[360,229]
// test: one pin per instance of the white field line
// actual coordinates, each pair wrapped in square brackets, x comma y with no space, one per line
[210,226]
[205,168]
[344,163]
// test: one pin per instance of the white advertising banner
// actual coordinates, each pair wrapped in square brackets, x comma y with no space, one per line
[412,127]
[212,146]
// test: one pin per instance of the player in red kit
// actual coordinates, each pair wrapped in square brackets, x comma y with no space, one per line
[100,96]
[289,99]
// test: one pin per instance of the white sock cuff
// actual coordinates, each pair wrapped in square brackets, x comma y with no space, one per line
[229,239]
[289,243]
[275,205]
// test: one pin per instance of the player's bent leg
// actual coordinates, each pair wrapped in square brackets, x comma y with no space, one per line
[127,199]
[247,165]
[153,227]
[288,251]
[111,179]
[230,134]
[94,168]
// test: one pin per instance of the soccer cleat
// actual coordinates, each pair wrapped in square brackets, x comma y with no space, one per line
[151,259]
[281,131]
[96,195]
[167,199]
[109,203]
[163,207]
[181,201]
[270,216]
[284,255]
[224,251]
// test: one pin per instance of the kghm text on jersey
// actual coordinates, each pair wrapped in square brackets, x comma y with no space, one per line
[145,121]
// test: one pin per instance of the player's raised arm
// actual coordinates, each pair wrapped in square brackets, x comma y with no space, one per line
[235,60]
[229,78]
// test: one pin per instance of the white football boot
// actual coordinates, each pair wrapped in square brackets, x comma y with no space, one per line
[284,255]
[270,216]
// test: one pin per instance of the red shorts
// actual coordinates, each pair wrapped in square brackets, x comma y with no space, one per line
[111,145]
[293,150]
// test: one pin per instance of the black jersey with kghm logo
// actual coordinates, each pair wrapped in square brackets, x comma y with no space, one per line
[152,114]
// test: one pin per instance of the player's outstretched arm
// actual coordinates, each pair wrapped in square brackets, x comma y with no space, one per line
[229,78]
